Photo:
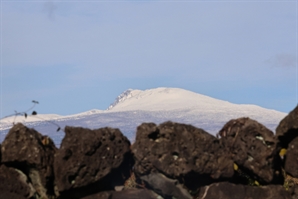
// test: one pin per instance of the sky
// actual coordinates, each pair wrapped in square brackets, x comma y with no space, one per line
[74,56]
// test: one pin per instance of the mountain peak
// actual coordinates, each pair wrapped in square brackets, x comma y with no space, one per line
[123,96]
[163,98]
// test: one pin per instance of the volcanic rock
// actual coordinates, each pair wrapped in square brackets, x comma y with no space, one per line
[180,151]
[166,187]
[225,190]
[90,161]
[252,146]
[134,194]
[125,194]
[99,195]
[14,184]
[9,195]
[293,189]
[287,129]
[291,161]
[33,154]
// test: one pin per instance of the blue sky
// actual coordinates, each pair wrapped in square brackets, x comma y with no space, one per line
[73,56]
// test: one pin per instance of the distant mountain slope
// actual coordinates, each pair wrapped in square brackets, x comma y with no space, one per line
[134,107]
[29,118]
[170,99]
[164,99]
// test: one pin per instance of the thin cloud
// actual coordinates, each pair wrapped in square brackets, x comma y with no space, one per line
[49,8]
[282,60]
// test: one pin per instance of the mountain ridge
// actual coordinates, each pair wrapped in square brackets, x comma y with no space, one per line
[157,99]
[135,107]
[134,99]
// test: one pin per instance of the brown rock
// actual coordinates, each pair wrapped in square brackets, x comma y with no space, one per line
[134,194]
[225,190]
[291,161]
[126,194]
[32,153]
[287,129]
[166,187]
[293,190]
[99,195]
[14,182]
[252,146]
[90,161]
[180,151]
[8,195]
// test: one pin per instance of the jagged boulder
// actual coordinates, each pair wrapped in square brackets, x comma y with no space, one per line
[225,190]
[287,129]
[182,152]
[90,161]
[32,153]
[253,148]
[14,184]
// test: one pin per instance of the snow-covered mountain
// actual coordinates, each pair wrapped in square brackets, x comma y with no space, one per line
[164,99]
[133,107]
[173,99]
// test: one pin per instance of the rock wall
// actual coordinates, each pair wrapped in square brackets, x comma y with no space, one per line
[170,160]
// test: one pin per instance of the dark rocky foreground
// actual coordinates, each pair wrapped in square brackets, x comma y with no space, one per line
[170,160]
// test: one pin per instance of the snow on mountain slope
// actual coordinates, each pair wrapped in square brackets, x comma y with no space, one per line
[8,121]
[134,107]
[169,99]
[164,99]
[30,118]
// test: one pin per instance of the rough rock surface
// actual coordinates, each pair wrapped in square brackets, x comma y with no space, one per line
[126,194]
[225,190]
[33,154]
[9,195]
[99,195]
[134,194]
[99,158]
[291,161]
[15,183]
[294,191]
[180,151]
[166,187]
[253,148]
[287,129]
